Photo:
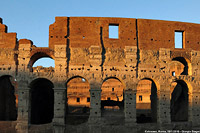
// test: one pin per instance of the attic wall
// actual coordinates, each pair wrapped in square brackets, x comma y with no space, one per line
[155,34]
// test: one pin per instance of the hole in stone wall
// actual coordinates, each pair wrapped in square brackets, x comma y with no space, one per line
[113,89]
[78,100]
[114,31]
[173,73]
[88,99]
[140,98]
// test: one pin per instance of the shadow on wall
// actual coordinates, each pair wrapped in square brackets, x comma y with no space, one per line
[77,115]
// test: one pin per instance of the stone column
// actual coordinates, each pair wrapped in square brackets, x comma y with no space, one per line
[95,105]
[95,109]
[130,107]
[59,109]
[163,104]
[23,108]
[60,88]
[191,111]
[195,115]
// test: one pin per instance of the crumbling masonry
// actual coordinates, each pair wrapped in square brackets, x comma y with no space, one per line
[136,81]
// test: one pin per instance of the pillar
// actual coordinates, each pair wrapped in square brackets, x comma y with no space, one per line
[163,106]
[95,109]
[59,87]
[95,105]
[130,107]
[163,109]
[59,109]
[23,108]
[194,114]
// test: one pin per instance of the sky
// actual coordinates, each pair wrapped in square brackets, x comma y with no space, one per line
[30,19]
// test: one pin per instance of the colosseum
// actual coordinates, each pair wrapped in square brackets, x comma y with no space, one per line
[143,77]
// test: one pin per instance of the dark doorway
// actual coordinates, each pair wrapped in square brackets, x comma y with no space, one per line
[179,101]
[8,110]
[42,101]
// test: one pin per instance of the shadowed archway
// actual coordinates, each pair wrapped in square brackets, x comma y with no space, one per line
[146,101]
[42,101]
[8,107]
[179,101]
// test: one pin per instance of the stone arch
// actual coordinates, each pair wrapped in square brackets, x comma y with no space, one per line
[8,98]
[38,55]
[187,67]
[112,98]
[117,78]
[42,101]
[78,100]
[48,76]
[180,100]
[147,100]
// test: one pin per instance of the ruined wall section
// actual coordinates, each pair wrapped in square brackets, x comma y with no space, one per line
[58,32]
[90,45]
[195,64]
[81,46]
[155,34]
[8,46]
[24,57]
[156,44]
[120,53]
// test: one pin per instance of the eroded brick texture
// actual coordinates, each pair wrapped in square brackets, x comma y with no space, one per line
[102,84]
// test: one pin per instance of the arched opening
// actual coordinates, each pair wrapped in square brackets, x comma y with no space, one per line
[8,102]
[45,62]
[41,62]
[146,101]
[78,101]
[179,101]
[42,101]
[112,98]
[179,66]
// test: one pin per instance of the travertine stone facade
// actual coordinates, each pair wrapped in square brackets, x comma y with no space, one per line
[158,84]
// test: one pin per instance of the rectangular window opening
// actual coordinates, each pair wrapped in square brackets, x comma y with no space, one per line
[140,98]
[114,31]
[108,98]
[88,99]
[178,39]
[77,100]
